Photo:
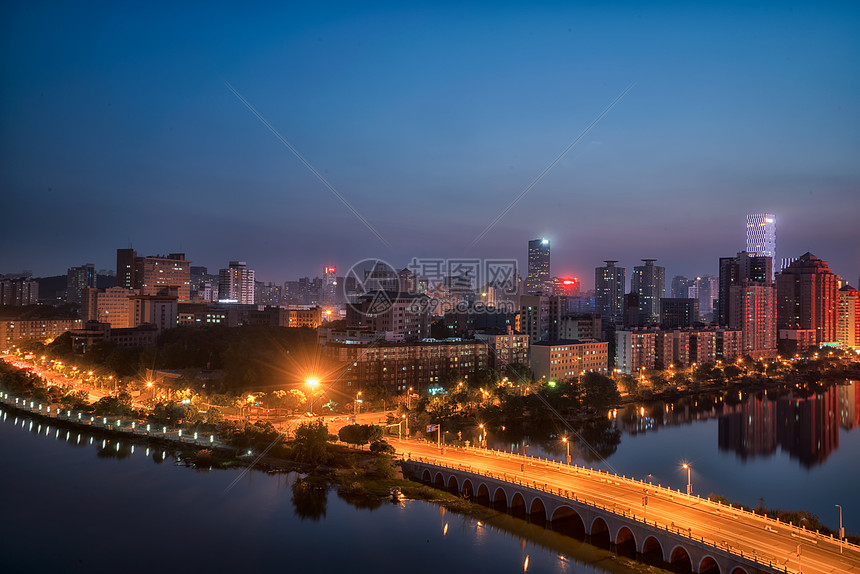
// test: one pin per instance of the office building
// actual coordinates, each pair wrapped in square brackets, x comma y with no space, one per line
[683,287]
[236,284]
[149,275]
[538,279]
[78,279]
[806,294]
[707,292]
[761,236]
[609,282]
[110,306]
[558,360]
[649,282]
[677,312]
[420,365]
[848,317]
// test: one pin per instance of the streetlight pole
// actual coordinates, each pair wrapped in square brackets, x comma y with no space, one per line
[841,530]
[357,406]
[409,398]
[567,443]
[689,484]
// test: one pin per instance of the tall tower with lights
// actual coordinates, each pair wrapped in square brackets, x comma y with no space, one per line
[538,280]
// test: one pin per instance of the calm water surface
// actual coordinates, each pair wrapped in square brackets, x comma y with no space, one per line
[79,503]
[795,450]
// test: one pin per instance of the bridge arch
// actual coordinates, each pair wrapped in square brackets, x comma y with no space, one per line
[538,509]
[625,543]
[425,477]
[708,565]
[467,490]
[483,494]
[599,533]
[652,551]
[566,520]
[679,560]
[518,504]
[738,570]
[452,484]
[439,481]
[500,497]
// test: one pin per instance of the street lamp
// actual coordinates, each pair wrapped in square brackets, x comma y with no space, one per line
[312,384]
[408,398]
[406,420]
[689,484]
[841,530]
[567,443]
[357,406]
[483,435]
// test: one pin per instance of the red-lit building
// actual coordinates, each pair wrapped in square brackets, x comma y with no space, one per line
[806,293]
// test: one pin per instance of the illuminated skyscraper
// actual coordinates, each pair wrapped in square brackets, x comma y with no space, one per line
[761,235]
[609,284]
[649,282]
[236,283]
[538,280]
[807,297]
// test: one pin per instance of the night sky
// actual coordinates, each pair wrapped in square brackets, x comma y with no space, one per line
[118,126]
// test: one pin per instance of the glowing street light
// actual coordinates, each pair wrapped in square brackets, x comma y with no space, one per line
[567,443]
[686,467]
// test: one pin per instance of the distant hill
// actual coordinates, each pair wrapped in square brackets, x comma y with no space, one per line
[54,288]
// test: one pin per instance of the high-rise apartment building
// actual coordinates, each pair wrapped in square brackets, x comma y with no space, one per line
[125,268]
[683,287]
[538,280]
[19,292]
[151,275]
[848,317]
[78,279]
[609,282]
[706,291]
[744,267]
[761,235]
[746,301]
[649,282]
[535,317]
[806,294]
[236,284]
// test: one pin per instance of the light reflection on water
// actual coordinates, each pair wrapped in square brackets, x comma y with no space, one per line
[794,449]
[130,509]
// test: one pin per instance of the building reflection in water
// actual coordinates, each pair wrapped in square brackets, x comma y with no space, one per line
[806,425]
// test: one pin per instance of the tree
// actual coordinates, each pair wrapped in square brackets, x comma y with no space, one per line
[519,373]
[311,443]
[381,447]
[360,434]
[600,391]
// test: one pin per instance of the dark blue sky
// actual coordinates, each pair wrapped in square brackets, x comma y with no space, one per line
[116,125]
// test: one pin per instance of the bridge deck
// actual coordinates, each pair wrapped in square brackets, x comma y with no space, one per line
[767,541]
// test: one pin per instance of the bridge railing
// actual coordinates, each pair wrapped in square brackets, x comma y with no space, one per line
[772,563]
[658,489]
[121,425]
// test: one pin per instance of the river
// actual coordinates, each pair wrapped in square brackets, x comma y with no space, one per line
[76,502]
[793,449]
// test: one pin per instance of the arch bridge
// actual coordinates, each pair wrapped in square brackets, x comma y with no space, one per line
[614,528]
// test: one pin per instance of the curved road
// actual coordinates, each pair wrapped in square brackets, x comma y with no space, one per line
[730,528]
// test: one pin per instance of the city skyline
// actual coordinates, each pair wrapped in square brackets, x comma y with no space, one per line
[118,128]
